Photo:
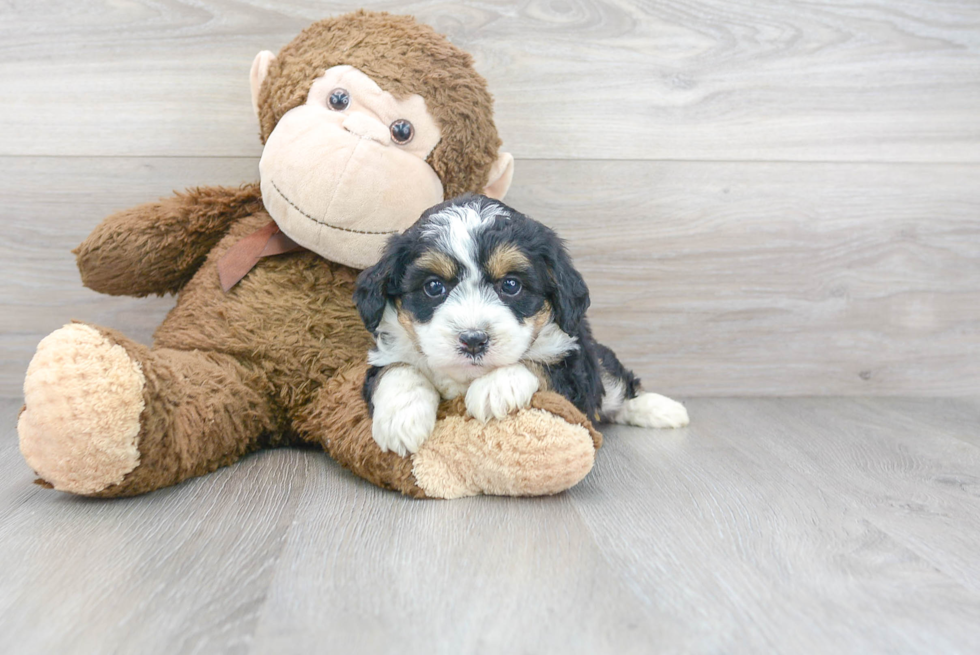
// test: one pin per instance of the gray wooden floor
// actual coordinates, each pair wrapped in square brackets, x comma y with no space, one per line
[770,525]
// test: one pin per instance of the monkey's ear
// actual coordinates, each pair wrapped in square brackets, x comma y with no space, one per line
[260,68]
[501,175]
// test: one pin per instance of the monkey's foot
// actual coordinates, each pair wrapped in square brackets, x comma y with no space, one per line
[538,451]
[83,398]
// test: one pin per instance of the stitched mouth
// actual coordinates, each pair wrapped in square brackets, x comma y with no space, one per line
[324,223]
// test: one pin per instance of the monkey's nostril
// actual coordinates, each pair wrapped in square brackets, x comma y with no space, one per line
[474,342]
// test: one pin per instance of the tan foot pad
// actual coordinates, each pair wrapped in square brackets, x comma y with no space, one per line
[83,397]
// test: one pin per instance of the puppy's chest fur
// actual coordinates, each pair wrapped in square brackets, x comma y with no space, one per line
[447,387]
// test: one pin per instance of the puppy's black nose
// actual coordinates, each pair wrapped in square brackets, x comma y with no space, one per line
[474,342]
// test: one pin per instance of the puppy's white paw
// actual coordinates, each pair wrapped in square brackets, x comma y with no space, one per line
[500,392]
[651,410]
[405,405]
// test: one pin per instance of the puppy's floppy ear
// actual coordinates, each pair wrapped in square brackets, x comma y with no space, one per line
[377,285]
[569,294]
[371,293]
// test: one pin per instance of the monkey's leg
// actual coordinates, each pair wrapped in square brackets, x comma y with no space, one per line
[541,450]
[105,416]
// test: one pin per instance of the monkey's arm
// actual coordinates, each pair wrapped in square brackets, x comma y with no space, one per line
[156,247]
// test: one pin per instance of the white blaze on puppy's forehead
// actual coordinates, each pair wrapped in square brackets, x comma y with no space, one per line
[456,230]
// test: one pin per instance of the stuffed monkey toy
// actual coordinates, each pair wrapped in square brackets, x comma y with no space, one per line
[367,119]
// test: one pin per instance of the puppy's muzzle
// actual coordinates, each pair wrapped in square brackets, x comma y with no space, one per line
[474,342]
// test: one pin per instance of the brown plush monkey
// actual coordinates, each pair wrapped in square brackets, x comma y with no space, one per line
[367,119]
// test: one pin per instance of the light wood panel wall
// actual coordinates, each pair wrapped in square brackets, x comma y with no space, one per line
[766,198]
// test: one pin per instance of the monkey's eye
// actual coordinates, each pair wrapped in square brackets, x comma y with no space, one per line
[510,286]
[338,99]
[434,288]
[402,131]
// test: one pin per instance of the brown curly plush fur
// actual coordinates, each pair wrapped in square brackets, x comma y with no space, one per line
[404,58]
[184,230]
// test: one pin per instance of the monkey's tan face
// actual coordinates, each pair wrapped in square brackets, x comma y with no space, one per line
[346,170]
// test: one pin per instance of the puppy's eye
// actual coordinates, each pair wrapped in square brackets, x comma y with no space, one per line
[402,131]
[435,289]
[510,286]
[338,99]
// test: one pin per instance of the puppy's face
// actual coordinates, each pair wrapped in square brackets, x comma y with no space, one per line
[473,286]
[474,302]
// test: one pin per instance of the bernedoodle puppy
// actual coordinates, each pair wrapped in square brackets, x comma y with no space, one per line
[477,299]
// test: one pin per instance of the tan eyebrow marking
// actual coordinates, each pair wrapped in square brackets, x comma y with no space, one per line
[506,259]
[439,263]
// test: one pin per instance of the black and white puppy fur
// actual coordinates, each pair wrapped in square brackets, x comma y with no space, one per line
[477,299]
